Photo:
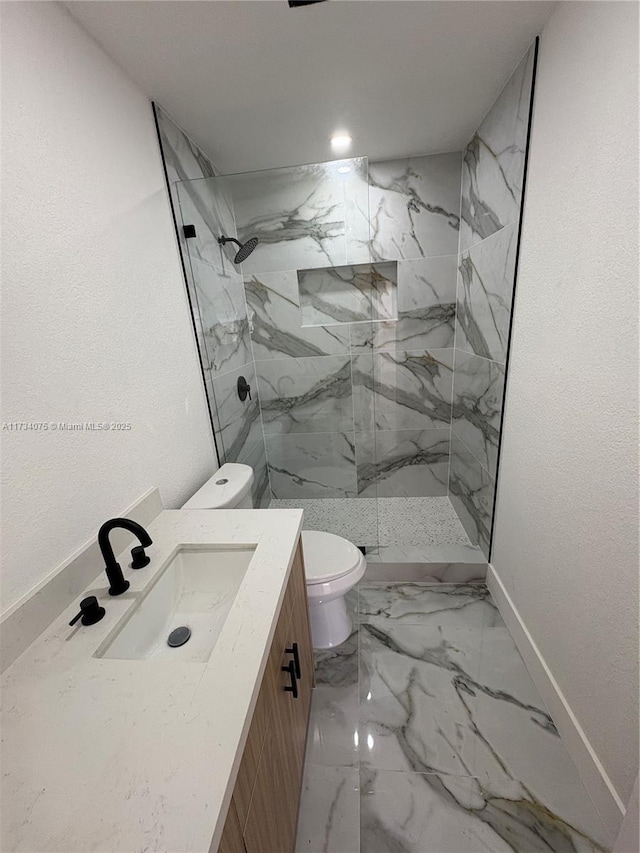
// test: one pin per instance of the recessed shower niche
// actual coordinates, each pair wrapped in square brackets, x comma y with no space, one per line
[349,294]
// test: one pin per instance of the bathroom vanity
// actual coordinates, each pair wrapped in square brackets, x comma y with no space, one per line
[113,743]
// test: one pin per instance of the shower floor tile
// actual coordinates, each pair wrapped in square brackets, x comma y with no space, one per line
[392,529]
[428,735]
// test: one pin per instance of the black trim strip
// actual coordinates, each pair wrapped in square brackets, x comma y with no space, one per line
[515,285]
[184,275]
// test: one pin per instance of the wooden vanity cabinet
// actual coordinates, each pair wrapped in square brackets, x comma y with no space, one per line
[263,814]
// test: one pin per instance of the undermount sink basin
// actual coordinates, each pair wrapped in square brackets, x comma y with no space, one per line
[194,591]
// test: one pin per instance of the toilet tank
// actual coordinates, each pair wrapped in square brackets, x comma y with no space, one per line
[229,488]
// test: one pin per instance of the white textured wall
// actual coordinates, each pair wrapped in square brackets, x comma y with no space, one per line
[566,530]
[95,319]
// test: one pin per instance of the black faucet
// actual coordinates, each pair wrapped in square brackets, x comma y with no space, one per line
[117,583]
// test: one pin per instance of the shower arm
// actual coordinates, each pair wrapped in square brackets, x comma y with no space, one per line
[224,240]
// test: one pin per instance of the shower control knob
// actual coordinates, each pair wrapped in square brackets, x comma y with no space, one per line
[244,389]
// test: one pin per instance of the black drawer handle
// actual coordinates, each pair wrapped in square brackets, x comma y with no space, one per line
[296,657]
[293,687]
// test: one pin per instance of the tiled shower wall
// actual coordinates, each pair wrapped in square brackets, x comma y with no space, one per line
[355,409]
[492,182]
[410,406]
[217,300]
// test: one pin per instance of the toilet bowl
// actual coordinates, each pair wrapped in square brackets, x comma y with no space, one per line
[333,565]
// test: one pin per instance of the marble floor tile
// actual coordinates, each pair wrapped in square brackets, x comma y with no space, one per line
[420,813]
[413,718]
[329,817]
[455,752]
[429,605]
[382,569]
[333,729]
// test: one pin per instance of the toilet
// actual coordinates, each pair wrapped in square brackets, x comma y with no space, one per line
[333,565]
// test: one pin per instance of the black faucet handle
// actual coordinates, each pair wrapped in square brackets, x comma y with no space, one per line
[90,611]
[139,558]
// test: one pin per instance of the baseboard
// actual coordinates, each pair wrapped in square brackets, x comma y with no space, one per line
[37,609]
[599,787]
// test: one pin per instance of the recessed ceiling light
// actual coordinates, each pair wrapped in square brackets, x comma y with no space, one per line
[341,141]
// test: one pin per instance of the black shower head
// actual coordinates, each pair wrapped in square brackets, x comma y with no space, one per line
[245,248]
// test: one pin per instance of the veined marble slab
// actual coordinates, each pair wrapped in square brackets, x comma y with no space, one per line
[239,424]
[471,492]
[414,206]
[402,390]
[312,465]
[493,170]
[223,317]
[426,309]
[349,294]
[306,394]
[329,810]
[476,415]
[397,463]
[486,279]
[303,216]
[273,303]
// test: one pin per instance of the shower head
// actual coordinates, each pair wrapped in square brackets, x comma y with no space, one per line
[245,248]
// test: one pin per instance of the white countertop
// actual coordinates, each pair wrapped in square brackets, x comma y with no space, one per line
[113,755]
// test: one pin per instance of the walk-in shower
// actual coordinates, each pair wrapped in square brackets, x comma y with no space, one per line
[369,306]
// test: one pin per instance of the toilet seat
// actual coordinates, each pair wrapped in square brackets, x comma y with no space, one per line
[328,557]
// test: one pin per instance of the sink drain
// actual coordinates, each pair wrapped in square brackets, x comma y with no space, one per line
[179,636]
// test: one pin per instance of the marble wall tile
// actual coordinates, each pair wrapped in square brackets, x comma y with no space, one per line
[301,217]
[493,168]
[426,309]
[306,394]
[318,465]
[412,390]
[414,206]
[239,422]
[255,456]
[411,463]
[476,414]
[223,317]
[206,204]
[183,159]
[486,278]
[273,306]
[471,491]
[350,294]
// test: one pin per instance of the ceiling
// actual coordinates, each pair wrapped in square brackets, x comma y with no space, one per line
[257,84]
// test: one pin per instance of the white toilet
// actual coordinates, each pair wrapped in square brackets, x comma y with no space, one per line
[333,565]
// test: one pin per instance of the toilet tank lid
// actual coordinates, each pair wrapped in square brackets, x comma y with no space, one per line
[216,494]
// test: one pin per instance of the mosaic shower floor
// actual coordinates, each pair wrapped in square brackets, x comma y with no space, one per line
[392,529]
[427,735]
